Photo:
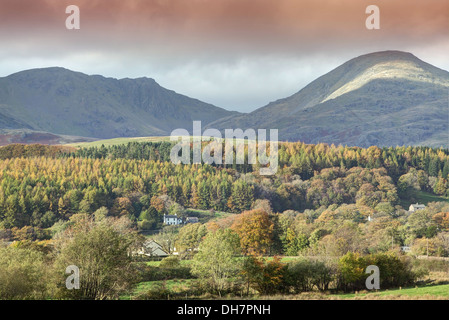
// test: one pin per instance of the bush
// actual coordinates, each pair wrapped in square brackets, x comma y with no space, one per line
[394,270]
[306,275]
[145,225]
[266,277]
[23,274]
[170,262]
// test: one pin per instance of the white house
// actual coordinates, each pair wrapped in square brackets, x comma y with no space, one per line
[175,220]
[415,207]
[172,219]
[406,249]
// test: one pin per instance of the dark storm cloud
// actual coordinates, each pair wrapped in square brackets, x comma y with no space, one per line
[239,54]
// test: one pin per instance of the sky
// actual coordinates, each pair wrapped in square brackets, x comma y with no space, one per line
[236,54]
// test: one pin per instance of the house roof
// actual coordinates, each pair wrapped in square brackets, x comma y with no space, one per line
[168,216]
[154,248]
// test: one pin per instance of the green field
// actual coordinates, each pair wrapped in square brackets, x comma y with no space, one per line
[117,141]
[428,292]
[423,197]
[206,215]
[172,285]
[175,286]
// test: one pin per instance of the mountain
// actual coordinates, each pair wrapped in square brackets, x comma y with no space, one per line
[64,102]
[385,98]
[26,136]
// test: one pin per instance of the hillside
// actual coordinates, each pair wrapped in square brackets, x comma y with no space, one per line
[64,102]
[386,98]
[27,136]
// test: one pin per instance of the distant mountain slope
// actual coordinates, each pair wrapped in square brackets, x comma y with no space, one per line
[61,101]
[386,98]
[26,136]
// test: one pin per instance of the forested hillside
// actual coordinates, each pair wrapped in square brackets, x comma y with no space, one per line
[41,185]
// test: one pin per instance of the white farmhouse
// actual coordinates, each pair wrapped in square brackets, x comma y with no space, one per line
[415,207]
[172,219]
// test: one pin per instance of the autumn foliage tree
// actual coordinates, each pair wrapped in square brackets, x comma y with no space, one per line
[442,219]
[255,230]
[265,276]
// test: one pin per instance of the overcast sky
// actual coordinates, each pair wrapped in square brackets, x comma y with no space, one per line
[235,54]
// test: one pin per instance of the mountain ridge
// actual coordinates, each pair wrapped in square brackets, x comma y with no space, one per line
[62,101]
[403,83]
[385,98]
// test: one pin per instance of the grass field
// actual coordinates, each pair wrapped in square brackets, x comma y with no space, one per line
[423,197]
[176,285]
[428,292]
[117,141]
[172,285]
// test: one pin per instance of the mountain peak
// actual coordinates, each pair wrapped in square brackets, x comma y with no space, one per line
[385,98]
[389,54]
[393,65]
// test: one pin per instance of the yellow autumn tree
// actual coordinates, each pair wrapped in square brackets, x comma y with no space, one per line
[255,230]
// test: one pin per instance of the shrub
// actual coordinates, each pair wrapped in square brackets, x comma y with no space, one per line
[394,270]
[266,277]
[170,262]
[306,275]
[23,274]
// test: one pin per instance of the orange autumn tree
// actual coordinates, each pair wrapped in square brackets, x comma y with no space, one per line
[255,230]
[442,219]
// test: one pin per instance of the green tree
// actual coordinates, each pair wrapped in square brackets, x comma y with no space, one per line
[189,238]
[23,274]
[216,261]
[102,254]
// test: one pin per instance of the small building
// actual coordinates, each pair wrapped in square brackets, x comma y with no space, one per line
[151,248]
[172,219]
[415,207]
[191,220]
[406,249]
